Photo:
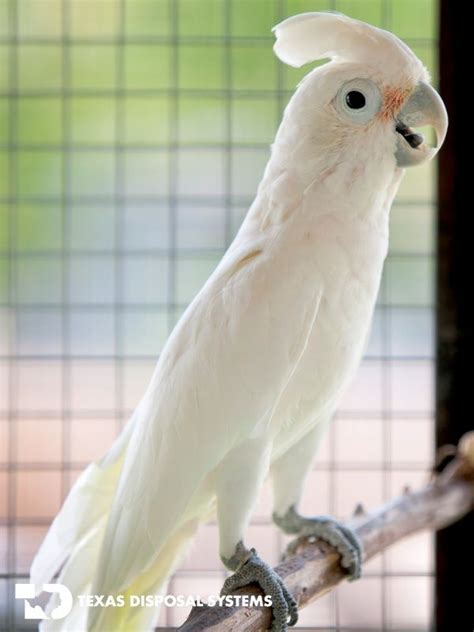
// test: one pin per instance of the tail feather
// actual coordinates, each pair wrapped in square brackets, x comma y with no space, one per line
[76,575]
[73,546]
[151,582]
[88,501]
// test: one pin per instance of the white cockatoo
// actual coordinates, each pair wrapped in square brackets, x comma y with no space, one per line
[256,366]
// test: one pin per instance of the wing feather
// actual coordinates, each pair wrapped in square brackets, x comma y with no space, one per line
[217,380]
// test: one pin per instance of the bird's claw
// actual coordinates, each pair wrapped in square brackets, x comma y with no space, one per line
[284,607]
[292,548]
[341,537]
[335,533]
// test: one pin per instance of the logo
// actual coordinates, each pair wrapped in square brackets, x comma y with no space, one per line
[27,591]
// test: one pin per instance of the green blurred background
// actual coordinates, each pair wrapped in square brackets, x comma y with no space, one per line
[133,135]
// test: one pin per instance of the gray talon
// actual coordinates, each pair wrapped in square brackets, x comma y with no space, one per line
[335,533]
[285,608]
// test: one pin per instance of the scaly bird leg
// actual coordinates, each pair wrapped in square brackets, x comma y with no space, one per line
[289,473]
[338,535]
[238,482]
[250,568]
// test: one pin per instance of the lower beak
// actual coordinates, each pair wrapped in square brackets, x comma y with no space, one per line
[423,107]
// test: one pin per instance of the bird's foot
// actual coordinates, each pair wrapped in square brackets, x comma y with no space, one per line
[253,569]
[335,533]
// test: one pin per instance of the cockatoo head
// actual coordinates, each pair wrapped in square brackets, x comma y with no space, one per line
[375,90]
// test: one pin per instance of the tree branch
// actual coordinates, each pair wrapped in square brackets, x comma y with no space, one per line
[314,569]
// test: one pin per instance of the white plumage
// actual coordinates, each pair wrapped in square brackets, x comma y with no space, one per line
[256,366]
[311,36]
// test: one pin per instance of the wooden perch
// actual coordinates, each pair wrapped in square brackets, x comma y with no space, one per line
[314,569]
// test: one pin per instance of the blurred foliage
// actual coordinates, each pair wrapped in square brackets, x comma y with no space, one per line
[64,108]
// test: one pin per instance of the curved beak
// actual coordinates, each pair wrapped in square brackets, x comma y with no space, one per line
[423,107]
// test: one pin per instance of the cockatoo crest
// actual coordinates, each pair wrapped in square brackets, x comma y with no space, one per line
[312,36]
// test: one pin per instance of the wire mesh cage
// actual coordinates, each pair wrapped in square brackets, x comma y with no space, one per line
[133,135]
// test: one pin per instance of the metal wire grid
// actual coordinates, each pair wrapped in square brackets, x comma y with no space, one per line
[230,203]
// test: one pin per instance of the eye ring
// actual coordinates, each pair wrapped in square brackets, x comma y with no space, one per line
[358,101]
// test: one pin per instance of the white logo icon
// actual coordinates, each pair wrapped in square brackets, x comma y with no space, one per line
[27,591]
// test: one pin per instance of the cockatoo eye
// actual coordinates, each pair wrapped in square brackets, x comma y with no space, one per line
[355,100]
[358,100]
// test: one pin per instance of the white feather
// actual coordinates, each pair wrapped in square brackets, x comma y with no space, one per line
[313,36]
[204,399]
[86,504]
[268,345]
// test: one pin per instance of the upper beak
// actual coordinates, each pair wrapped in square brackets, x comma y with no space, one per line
[423,107]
